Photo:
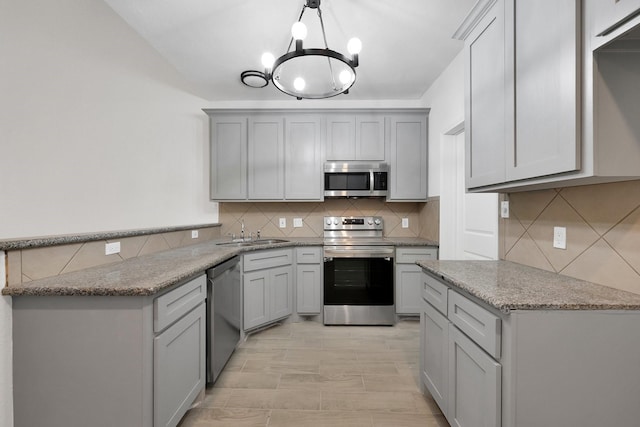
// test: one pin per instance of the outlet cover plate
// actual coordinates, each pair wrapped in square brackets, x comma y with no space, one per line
[194,234]
[405,222]
[297,222]
[282,222]
[504,209]
[112,248]
[560,237]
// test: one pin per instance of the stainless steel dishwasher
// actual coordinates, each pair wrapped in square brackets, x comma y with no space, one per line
[223,315]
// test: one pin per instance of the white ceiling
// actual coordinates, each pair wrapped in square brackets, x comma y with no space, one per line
[406,43]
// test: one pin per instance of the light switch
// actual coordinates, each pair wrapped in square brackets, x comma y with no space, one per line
[282,223]
[405,222]
[297,222]
[560,237]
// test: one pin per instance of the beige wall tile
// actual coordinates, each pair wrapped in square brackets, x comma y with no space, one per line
[38,263]
[512,231]
[176,239]
[130,246]
[604,205]
[601,264]
[430,220]
[613,209]
[527,206]
[579,234]
[625,239]
[14,267]
[90,254]
[155,243]
[526,252]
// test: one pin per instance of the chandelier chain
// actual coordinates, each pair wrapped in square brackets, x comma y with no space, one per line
[326,45]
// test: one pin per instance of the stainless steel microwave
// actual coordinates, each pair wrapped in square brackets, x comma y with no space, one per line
[352,179]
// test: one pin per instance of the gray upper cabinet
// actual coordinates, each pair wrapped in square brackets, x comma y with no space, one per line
[228,157]
[407,157]
[486,133]
[547,101]
[265,159]
[303,158]
[278,155]
[564,75]
[358,136]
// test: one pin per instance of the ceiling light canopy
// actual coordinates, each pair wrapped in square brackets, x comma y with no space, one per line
[308,73]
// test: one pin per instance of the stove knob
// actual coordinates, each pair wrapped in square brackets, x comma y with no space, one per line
[377,221]
[328,221]
[370,221]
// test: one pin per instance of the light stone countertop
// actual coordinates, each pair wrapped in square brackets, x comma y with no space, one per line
[150,274]
[510,286]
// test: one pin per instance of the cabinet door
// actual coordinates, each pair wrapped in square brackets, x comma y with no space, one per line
[281,292]
[408,158]
[486,130]
[179,367]
[256,298]
[341,137]
[434,345]
[228,158]
[474,384]
[611,15]
[308,288]
[303,159]
[369,137]
[408,289]
[547,91]
[266,151]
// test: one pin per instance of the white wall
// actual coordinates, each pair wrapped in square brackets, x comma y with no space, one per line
[97,131]
[445,97]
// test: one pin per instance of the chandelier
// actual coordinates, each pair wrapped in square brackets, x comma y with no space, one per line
[308,73]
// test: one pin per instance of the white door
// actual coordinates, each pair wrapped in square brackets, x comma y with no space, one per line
[468,222]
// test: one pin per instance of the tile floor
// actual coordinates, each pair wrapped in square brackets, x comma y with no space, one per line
[307,374]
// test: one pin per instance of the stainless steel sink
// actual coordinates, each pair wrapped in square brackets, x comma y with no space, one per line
[256,242]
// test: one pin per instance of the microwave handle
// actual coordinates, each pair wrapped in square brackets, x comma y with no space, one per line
[371,181]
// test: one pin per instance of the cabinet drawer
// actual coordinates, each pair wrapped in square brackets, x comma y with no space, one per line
[478,323]
[267,259]
[411,255]
[309,255]
[173,305]
[435,293]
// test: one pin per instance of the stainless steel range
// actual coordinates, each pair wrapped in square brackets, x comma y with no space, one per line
[358,272]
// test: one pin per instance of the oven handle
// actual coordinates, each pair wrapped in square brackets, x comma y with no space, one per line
[330,255]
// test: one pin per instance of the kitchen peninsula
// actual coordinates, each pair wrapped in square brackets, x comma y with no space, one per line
[506,345]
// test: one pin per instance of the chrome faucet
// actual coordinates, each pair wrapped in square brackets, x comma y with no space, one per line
[242,229]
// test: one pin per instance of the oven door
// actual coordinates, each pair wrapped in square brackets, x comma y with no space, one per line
[357,276]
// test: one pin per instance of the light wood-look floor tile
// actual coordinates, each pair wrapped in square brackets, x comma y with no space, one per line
[307,374]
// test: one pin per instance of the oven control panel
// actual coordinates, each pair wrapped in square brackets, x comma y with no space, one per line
[353,223]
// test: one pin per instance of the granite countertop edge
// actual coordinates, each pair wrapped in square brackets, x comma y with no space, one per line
[152,274]
[508,286]
[44,241]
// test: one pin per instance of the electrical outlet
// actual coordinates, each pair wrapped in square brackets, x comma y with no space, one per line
[560,237]
[297,222]
[194,234]
[405,222]
[282,223]
[112,248]
[504,209]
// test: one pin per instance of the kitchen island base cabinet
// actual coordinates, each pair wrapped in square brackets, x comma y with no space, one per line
[309,280]
[100,361]
[570,368]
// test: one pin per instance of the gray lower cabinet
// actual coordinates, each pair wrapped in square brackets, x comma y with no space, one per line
[267,287]
[527,368]
[309,274]
[408,278]
[108,360]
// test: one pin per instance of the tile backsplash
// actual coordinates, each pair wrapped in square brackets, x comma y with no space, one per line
[423,217]
[603,232]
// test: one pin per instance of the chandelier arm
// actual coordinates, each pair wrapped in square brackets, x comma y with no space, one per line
[304,7]
[326,45]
